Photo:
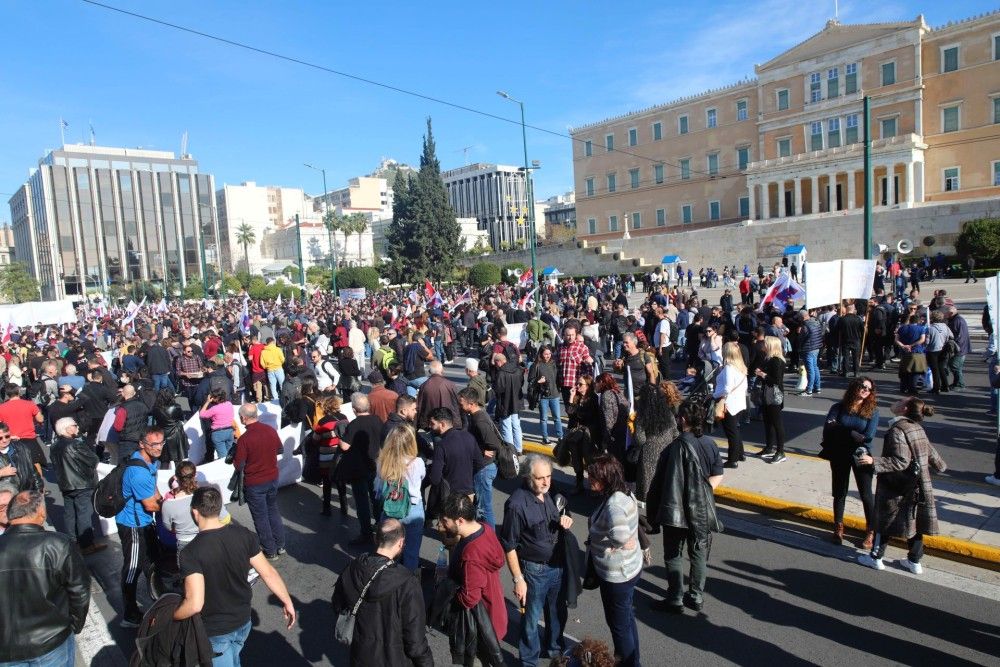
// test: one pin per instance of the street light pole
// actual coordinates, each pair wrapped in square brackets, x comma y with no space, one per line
[329,231]
[204,264]
[530,202]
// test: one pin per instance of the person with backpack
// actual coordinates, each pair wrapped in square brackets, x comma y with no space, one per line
[398,481]
[44,392]
[216,379]
[139,499]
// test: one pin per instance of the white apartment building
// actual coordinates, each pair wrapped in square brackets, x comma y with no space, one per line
[265,209]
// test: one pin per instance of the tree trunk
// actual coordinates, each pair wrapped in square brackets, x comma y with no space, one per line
[246,256]
[360,236]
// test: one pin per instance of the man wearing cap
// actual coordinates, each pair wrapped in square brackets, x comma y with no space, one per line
[381,399]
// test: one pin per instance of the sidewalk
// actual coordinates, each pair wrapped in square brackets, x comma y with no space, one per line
[968,513]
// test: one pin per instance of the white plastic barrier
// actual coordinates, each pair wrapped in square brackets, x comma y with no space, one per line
[218,472]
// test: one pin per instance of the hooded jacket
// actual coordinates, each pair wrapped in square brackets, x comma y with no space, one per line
[679,495]
[389,628]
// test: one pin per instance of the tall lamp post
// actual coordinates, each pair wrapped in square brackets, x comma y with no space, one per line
[531,203]
[329,231]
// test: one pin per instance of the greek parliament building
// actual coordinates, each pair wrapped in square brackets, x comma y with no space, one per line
[790,142]
[92,216]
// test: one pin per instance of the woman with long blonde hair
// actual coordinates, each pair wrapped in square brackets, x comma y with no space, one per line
[772,372]
[397,463]
[731,392]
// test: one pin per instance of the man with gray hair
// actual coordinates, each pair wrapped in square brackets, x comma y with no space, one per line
[47,573]
[360,443]
[477,380]
[437,392]
[257,454]
[530,531]
[70,377]
[76,468]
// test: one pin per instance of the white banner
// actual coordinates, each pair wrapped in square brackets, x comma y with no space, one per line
[831,282]
[993,303]
[353,293]
[39,312]
[518,334]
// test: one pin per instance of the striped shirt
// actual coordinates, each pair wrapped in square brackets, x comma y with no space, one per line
[614,525]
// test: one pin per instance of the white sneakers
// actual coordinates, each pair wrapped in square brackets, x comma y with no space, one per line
[915,568]
[993,479]
[873,563]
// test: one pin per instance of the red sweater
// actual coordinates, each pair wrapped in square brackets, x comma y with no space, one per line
[479,563]
[258,448]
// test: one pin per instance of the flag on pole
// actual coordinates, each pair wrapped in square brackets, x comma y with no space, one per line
[161,307]
[132,311]
[429,290]
[782,292]
[277,301]
[465,298]
[245,316]
[291,302]
[7,331]
[413,297]
[524,299]
[525,278]
[435,300]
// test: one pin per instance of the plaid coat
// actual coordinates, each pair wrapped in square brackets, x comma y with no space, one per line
[902,510]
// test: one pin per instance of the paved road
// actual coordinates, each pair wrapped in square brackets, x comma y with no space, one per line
[776,592]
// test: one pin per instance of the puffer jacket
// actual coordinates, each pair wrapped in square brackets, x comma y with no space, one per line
[679,495]
[811,335]
[48,591]
[76,464]
[389,626]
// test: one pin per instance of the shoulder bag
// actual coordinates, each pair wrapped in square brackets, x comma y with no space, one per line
[829,445]
[344,631]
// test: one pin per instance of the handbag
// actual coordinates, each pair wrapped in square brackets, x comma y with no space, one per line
[773,395]
[344,630]
[237,484]
[828,446]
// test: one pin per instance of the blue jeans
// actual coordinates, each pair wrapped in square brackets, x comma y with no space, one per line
[63,655]
[263,502]
[275,379]
[483,485]
[618,612]
[222,440]
[510,430]
[546,405]
[413,524]
[229,645]
[812,370]
[546,599]
[413,386]
[162,381]
[617,347]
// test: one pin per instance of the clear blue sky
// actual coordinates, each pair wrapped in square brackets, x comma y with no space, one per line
[253,117]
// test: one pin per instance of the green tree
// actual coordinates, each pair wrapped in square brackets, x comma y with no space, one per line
[246,237]
[232,285]
[318,275]
[359,226]
[981,239]
[511,279]
[358,276]
[335,222]
[424,235]
[484,274]
[17,284]
[194,290]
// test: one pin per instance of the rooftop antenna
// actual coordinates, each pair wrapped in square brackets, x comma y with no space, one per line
[93,138]
[465,154]
[836,10]
[184,144]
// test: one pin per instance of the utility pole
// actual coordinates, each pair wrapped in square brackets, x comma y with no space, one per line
[329,231]
[867,240]
[204,264]
[298,243]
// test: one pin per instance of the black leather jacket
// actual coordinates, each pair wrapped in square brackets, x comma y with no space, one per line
[47,589]
[175,441]
[27,475]
[75,463]
[679,496]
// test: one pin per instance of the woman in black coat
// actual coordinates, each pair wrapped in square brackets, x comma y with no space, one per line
[585,424]
[772,373]
[169,416]
[350,374]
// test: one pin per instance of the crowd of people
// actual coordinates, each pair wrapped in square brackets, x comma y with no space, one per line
[641,387]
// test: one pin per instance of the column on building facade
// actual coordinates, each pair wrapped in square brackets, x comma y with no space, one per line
[765,200]
[851,178]
[890,194]
[908,181]
[798,195]
[751,192]
[832,192]
[815,193]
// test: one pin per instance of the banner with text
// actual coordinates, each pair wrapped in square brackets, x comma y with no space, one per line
[353,294]
[831,282]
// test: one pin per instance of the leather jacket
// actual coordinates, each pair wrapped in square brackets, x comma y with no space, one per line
[27,476]
[679,495]
[75,463]
[52,586]
[175,441]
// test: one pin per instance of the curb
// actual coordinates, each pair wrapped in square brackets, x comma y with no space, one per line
[978,554]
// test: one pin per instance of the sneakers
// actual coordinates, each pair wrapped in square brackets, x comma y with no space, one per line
[993,479]
[691,603]
[778,458]
[766,453]
[281,551]
[271,557]
[805,393]
[873,563]
[907,564]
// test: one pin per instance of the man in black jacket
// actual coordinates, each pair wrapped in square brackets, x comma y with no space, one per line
[159,363]
[392,609]
[360,443]
[39,565]
[850,328]
[17,471]
[76,467]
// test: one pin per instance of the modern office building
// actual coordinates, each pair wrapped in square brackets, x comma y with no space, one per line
[7,254]
[94,216]
[790,142]
[264,209]
[495,195]
[560,217]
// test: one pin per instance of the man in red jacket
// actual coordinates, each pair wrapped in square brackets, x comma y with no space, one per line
[257,453]
[258,376]
[476,560]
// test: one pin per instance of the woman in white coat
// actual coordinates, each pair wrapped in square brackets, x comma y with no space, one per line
[731,391]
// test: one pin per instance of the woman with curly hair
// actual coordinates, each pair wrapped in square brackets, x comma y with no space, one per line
[614,409]
[850,426]
[655,429]
[585,421]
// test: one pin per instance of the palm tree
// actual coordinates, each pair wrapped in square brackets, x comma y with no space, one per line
[360,227]
[334,222]
[245,236]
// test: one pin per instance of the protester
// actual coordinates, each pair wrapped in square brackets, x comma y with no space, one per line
[904,502]
[17,472]
[20,416]
[542,390]
[731,393]
[457,456]
[360,446]
[586,422]
[773,376]
[487,437]
[175,510]
[215,566]
[76,468]
[219,414]
[46,575]
[655,428]
[257,456]
[960,328]
[437,392]
[401,469]
[381,400]
[530,533]
[389,626]
[616,555]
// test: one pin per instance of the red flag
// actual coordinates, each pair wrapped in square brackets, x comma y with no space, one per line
[428,289]
[525,279]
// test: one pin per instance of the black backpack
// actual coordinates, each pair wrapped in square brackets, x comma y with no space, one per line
[109,499]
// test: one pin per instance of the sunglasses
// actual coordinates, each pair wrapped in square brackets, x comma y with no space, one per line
[866,387]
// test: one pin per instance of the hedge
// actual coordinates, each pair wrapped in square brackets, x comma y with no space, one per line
[484,274]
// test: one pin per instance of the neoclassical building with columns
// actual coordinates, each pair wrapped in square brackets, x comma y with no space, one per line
[790,142]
